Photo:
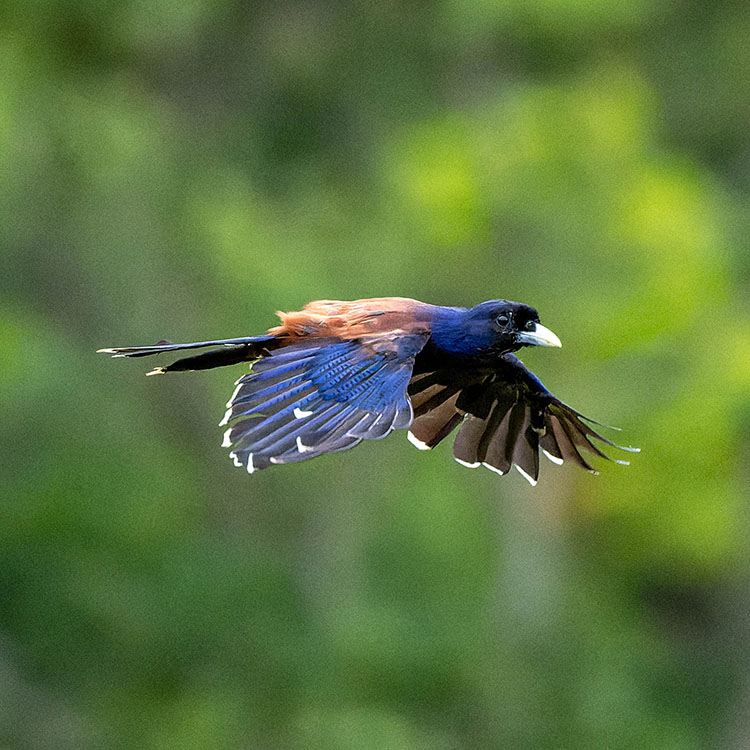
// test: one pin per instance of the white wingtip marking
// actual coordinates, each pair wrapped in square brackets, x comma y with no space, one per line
[526,476]
[235,459]
[155,371]
[226,442]
[466,463]
[554,459]
[301,447]
[225,418]
[415,441]
[493,468]
[300,413]
[234,395]
[250,464]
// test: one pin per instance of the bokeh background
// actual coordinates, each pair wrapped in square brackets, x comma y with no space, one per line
[182,170]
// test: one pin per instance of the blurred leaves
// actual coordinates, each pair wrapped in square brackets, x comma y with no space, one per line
[183,171]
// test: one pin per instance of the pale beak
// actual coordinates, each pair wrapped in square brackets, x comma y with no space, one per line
[540,336]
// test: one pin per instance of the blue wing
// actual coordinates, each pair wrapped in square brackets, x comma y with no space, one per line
[320,396]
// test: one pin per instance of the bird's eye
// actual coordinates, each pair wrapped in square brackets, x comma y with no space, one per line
[502,320]
[530,325]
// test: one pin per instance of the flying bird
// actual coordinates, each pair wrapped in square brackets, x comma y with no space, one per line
[336,373]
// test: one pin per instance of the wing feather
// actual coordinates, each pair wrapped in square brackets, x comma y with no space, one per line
[492,447]
[506,417]
[431,427]
[320,396]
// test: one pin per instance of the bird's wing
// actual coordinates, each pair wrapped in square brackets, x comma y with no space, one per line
[320,396]
[506,417]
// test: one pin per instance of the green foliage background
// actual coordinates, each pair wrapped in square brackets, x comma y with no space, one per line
[182,170]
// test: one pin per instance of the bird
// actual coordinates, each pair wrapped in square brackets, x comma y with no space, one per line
[336,373]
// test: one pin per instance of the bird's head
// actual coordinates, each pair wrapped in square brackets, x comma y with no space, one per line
[489,330]
[505,326]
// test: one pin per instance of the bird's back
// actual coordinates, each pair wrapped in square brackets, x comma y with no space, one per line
[355,319]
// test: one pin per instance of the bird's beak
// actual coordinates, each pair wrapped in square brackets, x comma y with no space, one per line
[540,336]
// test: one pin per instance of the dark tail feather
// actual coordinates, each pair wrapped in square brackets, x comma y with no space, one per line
[214,358]
[234,351]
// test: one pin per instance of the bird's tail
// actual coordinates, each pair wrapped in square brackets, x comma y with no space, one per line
[232,352]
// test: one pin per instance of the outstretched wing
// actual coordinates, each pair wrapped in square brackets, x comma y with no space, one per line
[506,415]
[321,396]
